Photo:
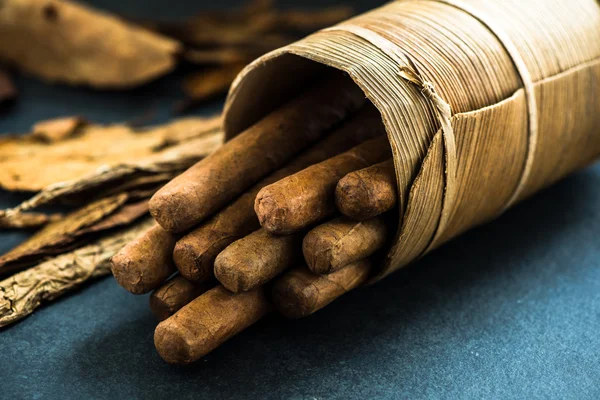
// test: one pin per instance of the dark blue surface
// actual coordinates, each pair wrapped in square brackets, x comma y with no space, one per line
[509,310]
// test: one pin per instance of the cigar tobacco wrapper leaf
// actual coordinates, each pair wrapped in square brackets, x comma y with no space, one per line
[333,245]
[195,253]
[299,200]
[207,322]
[368,192]
[219,178]
[146,262]
[300,292]
[174,294]
[256,259]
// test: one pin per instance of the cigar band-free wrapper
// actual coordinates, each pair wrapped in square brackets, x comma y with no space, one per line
[484,103]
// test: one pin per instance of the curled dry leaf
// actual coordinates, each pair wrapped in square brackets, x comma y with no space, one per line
[67,42]
[30,164]
[257,24]
[207,84]
[30,220]
[58,129]
[59,235]
[22,293]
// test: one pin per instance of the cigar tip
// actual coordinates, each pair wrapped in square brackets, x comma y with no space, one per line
[230,275]
[350,201]
[170,208]
[289,299]
[121,268]
[189,262]
[317,250]
[170,344]
[271,212]
[159,308]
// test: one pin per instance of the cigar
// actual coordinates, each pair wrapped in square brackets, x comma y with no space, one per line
[207,322]
[145,263]
[300,292]
[333,245]
[195,253]
[256,259]
[306,197]
[368,192]
[216,180]
[174,294]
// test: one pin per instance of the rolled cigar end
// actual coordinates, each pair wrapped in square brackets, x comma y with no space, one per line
[170,206]
[272,211]
[174,294]
[171,342]
[192,264]
[331,246]
[145,263]
[234,274]
[207,322]
[368,192]
[300,292]
[255,260]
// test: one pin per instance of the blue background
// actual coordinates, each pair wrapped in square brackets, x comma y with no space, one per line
[509,310]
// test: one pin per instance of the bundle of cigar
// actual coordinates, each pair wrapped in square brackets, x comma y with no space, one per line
[288,215]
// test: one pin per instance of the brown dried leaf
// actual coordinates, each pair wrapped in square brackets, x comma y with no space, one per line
[202,86]
[258,24]
[303,22]
[63,41]
[58,129]
[26,220]
[22,293]
[124,216]
[31,165]
[8,90]
[61,234]
[196,143]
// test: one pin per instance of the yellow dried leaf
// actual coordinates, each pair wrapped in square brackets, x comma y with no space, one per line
[55,236]
[54,130]
[63,41]
[24,292]
[26,220]
[31,165]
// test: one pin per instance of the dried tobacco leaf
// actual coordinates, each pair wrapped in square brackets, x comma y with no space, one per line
[22,293]
[55,130]
[207,84]
[29,164]
[59,235]
[170,159]
[258,24]
[31,220]
[123,217]
[8,90]
[63,41]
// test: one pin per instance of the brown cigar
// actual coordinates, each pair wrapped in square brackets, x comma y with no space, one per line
[195,253]
[207,322]
[219,178]
[174,294]
[300,292]
[256,259]
[308,196]
[333,245]
[368,192]
[145,263]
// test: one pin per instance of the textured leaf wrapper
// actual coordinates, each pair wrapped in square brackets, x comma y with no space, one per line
[484,103]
